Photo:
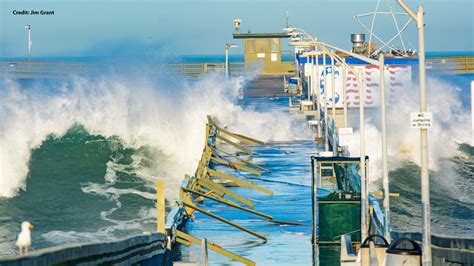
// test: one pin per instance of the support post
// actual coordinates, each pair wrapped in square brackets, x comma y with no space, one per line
[314,204]
[333,102]
[344,89]
[425,181]
[313,79]
[363,192]
[318,95]
[160,206]
[385,182]
[326,131]
[203,259]
[308,91]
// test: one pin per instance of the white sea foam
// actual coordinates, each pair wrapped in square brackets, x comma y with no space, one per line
[166,115]
[451,124]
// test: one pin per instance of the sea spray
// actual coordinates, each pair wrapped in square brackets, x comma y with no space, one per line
[142,110]
[450,127]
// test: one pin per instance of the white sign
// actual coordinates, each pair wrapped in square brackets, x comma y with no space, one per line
[274,57]
[260,55]
[422,120]
[345,136]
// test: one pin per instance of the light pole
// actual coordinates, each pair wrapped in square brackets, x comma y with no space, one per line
[30,43]
[425,181]
[227,46]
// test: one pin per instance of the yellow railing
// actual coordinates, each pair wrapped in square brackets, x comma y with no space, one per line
[451,64]
[212,184]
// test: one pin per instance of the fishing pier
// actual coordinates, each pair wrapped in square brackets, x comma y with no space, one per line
[242,188]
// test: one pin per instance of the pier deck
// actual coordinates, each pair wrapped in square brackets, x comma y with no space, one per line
[265,86]
[291,182]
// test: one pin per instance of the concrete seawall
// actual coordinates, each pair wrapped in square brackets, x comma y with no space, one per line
[142,250]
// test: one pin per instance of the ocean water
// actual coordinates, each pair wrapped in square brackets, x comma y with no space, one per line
[79,158]
[192,58]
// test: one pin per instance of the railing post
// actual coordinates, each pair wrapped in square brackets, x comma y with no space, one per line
[203,259]
[160,206]
[344,90]
[318,95]
[326,131]
[314,205]
[363,192]
[333,102]
[425,181]
[385,183]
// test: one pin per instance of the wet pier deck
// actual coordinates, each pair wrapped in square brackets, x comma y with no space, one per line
[265,86]
[290,181]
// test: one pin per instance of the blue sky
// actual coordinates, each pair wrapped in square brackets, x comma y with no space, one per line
[177,27]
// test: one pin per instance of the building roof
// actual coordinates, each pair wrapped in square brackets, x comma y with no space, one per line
[259,35]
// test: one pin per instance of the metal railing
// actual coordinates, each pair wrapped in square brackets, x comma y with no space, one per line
[195,69]
[40,69]
[451,64]
[44,68]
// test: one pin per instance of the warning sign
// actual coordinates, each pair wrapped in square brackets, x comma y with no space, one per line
[422,120]
[345,136]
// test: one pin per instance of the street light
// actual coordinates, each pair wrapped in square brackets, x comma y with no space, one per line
[227,46]
[425,181]
[28,27]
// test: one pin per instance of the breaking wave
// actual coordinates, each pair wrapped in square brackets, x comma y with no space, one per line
[142,108]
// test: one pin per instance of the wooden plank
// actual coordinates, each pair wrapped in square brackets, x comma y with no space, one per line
[192,206]
[216,152]
[185,198]
[232,205]
[242,138]
[235,165]
[160,206]
[215,248]
[238,181]
[249,152]
[216,187]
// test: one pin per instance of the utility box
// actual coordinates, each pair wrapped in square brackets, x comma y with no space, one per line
[339,216]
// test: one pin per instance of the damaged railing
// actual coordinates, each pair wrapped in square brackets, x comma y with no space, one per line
[210,183]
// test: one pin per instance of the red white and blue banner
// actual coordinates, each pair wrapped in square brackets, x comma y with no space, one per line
[397,77]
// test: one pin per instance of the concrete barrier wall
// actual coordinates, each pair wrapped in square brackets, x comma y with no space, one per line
[142,250]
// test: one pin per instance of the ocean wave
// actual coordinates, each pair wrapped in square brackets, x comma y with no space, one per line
[142,108]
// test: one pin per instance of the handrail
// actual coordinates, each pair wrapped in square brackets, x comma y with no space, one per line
[207,183]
